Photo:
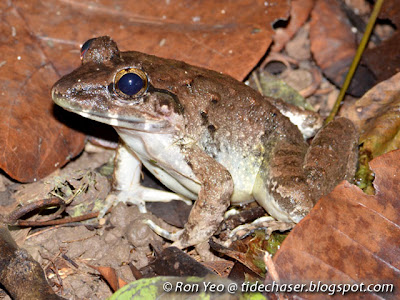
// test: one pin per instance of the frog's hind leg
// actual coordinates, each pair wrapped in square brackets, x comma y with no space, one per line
[332,157]
[293,176]
[127,187]
[280,186]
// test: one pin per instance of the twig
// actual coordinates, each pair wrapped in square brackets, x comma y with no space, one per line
[18,213]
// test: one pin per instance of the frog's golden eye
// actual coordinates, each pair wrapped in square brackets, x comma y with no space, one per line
[130,82]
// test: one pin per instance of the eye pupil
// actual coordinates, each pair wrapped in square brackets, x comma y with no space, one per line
[130,84]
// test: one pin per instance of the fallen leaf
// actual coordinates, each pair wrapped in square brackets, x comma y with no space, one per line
[333,45]
[33,143]
[277,88]
[241,273]
[220,267]
[384,59]
[299,13]
[212,34]
[251,250]
[381,133]
[349,237]
[110,275]
[83,190]
[376,115]
[375,102]
[243,251]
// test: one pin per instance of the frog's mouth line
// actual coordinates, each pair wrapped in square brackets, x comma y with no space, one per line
[137,124]
[114,120]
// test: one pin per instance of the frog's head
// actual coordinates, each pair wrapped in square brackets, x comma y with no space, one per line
[113,88]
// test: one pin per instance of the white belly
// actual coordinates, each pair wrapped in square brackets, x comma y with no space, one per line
[162,157]
[243,172]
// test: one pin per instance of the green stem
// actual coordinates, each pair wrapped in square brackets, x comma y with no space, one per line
[356,60]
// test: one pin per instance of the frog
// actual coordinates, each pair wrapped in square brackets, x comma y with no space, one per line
[207,137]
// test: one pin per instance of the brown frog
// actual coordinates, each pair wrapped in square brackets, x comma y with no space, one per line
[206,136]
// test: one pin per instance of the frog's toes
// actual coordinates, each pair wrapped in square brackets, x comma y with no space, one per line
[267,223]
[116,197]
[164,233]
[180,238]
[242,231]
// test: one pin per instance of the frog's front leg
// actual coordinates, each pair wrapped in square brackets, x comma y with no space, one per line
[281,186]
[213,199]
[126,183]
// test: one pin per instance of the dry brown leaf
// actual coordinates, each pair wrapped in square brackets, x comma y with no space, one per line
[333,45]
[349,237]
[376,115]
[220,267]
[299,13]
[384,60]
[247,252]
[33,143]
[373,102]
[225,36]
[332,42]
[110,275]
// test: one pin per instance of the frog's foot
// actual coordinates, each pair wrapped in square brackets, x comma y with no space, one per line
[177,238]
[203,248]
[267,223]
[174,237]
[139,195]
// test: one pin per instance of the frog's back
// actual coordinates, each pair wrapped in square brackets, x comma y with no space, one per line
[215,101]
